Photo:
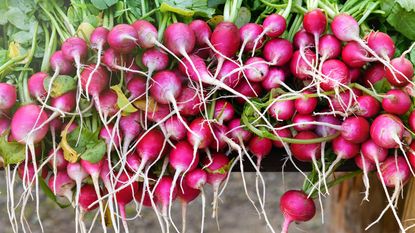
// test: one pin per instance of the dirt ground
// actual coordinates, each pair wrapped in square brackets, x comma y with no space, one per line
[236,214]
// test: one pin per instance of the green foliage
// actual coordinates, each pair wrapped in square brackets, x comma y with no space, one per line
[61,85]
[89,146]
[11,152]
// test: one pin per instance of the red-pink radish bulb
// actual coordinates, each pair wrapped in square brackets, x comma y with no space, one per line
[202,32]
[58,160]
[249,90]
[175,128]
[123,38]
[36,86]
[63,186]
[296,206]
[8,96]
[125,195]
[372,152]
[182,158]
[237,131]
[99,79]
[30,172]
[367,106]
[396,102]
[411,155]
[188,102]
[230,74]
[382,44]
[345,27]
[306,152]
[217,169]
[186,193]
[364,164]
[395,171]
[224,111]
[155,59]
[59,62]
[274,78]
[55,124]
[203,136]
[278,51]
[354,74]
[137,87]
[336,75]
[256,69]
[196,178]
[150,146]
[76,172]
[220,132]
[355,129]
[299,67]
[303,40]
[306,105]
[411,121]
[93,169]
[275,25]
[249,33]
[111,138]
[344,148]
[324,131]
[329,47]
[145,200]
[108,103]
[146,33]
[405,74]
[98,38]
[87,196]
[260,147]
[4,125]
[225,38]
[303,122]
[66,102]
[354,55]
[344,100]
[166,87]
[162,191]
[283,133]
[387,131]
[133,162]
[74,48]
[315,22]
[27,118]
[179,38]
[282,110]
[373,74]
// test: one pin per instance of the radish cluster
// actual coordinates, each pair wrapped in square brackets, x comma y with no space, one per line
[178,115]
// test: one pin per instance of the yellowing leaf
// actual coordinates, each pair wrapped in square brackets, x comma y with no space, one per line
[85,30]
[14,49]
[69,153]
[141,104]
[215,20]
[181,11]
[122,101]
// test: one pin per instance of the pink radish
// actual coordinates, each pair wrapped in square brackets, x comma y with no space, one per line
[197,179]
[98,38]
[355,129]
[282,110]
[30,173]
[202,32]
[274,79]
[188,102]
[278,51]
[387,131]
[411,121]
[202,136]
[302,40]
[274,25]
[296,206]
[61,184]
[372,152]
[124,194]
[224,111]
[256,69]
[229,74]
[329,47]
[108,103]
[373,74]
[249,34]
[94,82]
[8,96]
[364,164]
[74,49]
[4,125]
[122,38]
[60,64]
[146,33]
[343,149]
[315,23]
[155,60]
[396,102]
[404,70]
[260,147]
[76,172]
[354,74]
[249,90]
[306,152]
[112,136]
[186,195]
[299,67]
[283,133]
[137,87]
[165,192]
[367,106]
[58,160]
[301,122]
[325,131]
[36,85]
[175,129]
[306,105]
[217,171]
[354,55]
[336,75]
[130,128]
[220,133]
[87,196]
[382,44]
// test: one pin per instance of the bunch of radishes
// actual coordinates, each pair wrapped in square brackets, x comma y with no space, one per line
[170,113]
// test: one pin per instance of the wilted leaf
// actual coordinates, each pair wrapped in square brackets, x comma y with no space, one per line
[122,101]
[61,85]
[11,152]
[14,49]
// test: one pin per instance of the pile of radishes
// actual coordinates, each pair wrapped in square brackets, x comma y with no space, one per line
[178,114]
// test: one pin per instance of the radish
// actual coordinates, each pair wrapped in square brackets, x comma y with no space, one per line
[366,106]
[303,40]
[343,149]
[336,75]
[278,51]
[387,131]
[355,129]
[94,82]
[202,32]
[402,73]
[146,33]
[372,152]
[175,129]
[256,69]
[60,65]
[98,38]
[382,44]
[274,79]
[122,38]
[124,194]
[373,74]
[229,74]
[302,122]
[219,131]
[197,179]
[282,110]
[216,170]
[4,125]
[324,131]
[281,133]
[224,111]
[76,172]
[165,192]
[186,195]
[274,25]
[87,196]
[8,96]
[137,88]
[354,74]
[36,86]
[74,49]
[112,137]
[305,105]
[30,173]
[296,206]
[329,47]
[249,33]
[108,103]
[355,55]
[299,64]
[411,121]
[58,161]
[306,152]
[130,128]
[315,23]
[188,102]
[61,184]
[248,90]
[396,102]
[201,137]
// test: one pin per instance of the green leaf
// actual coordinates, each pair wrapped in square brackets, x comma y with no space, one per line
[244,16]
[103,4]
[50,194]
[3,18]
[215,3]
[382,86]
[12,152]
[61,85]
[95,151]
[22,37]
[18,18]
[400,19]
[408,5]
[187,8]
